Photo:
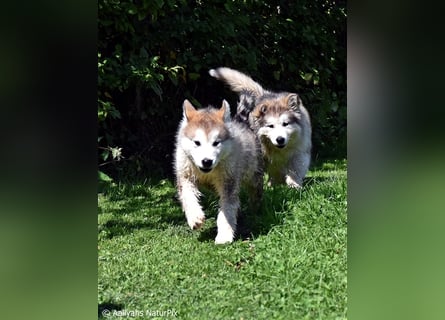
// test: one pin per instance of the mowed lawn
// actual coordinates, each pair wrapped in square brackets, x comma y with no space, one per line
[289,261]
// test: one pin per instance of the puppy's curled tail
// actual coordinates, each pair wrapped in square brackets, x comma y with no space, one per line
[238,82]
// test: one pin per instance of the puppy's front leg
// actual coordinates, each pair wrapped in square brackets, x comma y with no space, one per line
[227,215]
[226,222]
[300,165]
[189,197]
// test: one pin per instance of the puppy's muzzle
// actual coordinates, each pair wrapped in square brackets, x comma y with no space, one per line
[206,165]
[281,142]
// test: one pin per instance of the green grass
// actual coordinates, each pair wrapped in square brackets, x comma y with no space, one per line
[288,263]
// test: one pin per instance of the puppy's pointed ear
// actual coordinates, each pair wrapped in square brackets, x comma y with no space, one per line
[294,102]
[224,111]
[189,110]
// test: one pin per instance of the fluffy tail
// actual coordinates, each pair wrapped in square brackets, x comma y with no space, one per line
[238,82]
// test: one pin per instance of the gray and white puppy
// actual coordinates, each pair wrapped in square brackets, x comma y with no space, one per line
[280,121]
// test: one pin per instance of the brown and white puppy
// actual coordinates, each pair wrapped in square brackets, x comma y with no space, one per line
[213,150]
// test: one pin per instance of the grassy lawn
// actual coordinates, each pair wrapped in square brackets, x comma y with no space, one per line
[289,261]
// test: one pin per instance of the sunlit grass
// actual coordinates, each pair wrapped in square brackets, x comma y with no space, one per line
[289,261]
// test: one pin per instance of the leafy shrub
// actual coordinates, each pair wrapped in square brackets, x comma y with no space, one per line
[154,54]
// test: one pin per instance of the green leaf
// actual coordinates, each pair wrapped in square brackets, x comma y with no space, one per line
[104,177]
[105,154]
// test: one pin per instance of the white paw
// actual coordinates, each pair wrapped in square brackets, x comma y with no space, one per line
[224,237]
[195,220]
[292,183]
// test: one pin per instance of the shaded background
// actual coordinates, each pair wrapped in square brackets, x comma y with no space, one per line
[154,54]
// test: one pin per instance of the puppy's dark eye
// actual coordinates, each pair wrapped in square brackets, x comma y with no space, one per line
[263,108]
[270,126]
[197,143]
[285,124]
[216,143]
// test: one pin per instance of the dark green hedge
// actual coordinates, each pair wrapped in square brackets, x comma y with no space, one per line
[154,54]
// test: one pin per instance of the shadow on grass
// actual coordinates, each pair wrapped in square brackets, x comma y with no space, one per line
[274,207]
[133,206]
[208,234]
[154,205]
[278,202]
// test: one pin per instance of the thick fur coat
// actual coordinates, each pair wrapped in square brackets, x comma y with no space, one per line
[281,123]
[213,150]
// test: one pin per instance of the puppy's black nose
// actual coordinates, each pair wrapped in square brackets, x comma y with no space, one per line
[206,163]
[280,140]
